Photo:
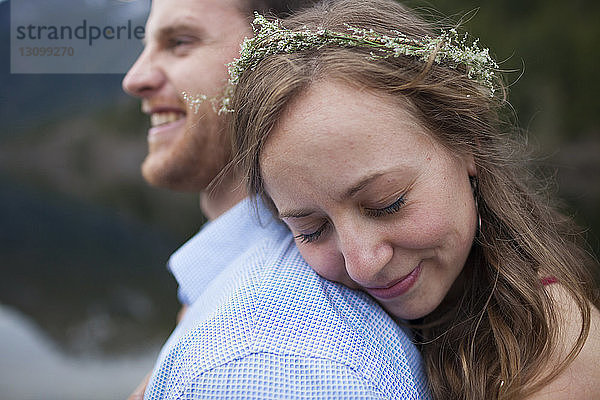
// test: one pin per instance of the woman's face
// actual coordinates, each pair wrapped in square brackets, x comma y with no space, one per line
[372,200]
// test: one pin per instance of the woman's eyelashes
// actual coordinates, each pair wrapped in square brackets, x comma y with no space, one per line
[311,237]
[370,212]
[390,209]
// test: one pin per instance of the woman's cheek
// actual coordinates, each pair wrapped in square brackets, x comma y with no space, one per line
[421,230]
[325,260]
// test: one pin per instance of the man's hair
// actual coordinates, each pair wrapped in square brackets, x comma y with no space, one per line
[278,8]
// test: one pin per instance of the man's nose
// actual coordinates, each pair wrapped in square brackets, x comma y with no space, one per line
[144,77]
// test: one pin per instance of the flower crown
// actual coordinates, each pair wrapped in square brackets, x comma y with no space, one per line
[449,49]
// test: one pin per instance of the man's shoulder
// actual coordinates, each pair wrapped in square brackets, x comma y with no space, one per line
[234,236]
[298,312]
[275,307]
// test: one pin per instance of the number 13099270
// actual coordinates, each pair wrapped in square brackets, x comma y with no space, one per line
[49,51]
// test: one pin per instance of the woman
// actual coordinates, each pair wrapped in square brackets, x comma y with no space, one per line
[379,144]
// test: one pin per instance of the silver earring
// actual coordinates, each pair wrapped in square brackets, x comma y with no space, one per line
[478,233]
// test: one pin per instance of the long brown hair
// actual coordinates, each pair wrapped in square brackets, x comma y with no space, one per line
[495,340]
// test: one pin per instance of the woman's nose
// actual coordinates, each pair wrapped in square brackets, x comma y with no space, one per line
[366,253]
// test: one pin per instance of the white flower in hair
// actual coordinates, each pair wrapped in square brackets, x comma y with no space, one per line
[448,49]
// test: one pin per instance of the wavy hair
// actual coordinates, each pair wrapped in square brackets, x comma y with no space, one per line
[494,341]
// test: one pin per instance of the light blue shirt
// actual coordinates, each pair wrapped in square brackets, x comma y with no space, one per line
[263,325]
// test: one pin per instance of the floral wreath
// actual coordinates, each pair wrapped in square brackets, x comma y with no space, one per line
[449,48]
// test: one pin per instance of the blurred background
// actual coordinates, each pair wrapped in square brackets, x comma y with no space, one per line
[85,298]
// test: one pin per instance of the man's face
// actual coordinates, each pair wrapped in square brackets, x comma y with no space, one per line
[188,44]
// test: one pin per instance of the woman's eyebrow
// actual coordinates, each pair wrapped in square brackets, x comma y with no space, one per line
[352,191]
[364,182]
[404,171]
[348,194]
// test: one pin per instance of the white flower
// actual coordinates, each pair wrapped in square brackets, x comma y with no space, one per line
[450,49]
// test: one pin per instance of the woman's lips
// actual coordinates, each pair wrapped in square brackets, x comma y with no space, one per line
[398,288]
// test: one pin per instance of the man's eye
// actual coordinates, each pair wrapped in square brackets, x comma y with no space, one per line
[391,209]
[180,42]
[177,42]
[311,237]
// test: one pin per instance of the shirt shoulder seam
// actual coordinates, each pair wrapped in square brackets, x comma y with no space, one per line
[354,370]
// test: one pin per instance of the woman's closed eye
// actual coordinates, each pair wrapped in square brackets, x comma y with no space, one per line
[387,210]
[313,236]
[371,212]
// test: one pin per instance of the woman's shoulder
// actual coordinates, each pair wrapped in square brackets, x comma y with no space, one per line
[581,378]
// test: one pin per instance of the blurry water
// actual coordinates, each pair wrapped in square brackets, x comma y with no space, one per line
[34,367]
[85,298]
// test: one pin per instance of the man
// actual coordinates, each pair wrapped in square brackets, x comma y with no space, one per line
[260,323]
